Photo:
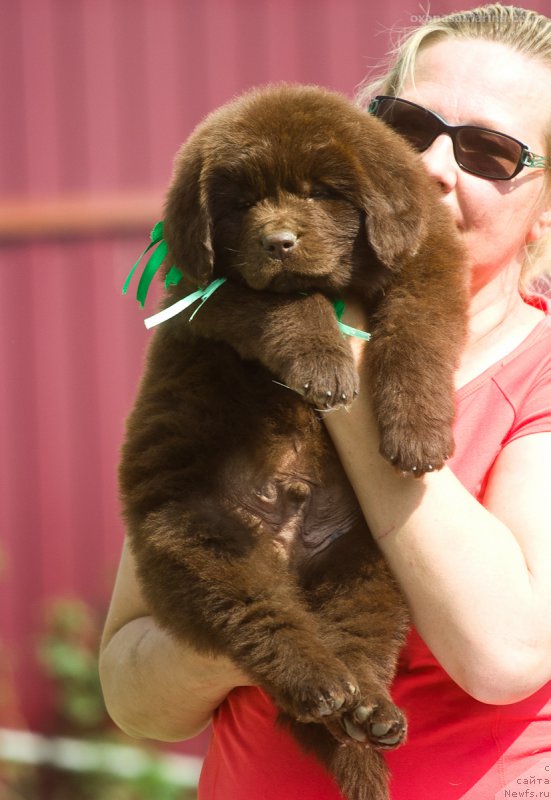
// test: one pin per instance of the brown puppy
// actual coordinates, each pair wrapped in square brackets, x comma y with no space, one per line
[248,538]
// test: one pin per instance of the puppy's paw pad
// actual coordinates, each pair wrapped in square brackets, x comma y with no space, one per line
[379,723]
[317,702]
[387,734]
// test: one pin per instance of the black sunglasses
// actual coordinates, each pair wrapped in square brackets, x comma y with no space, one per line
[480,151]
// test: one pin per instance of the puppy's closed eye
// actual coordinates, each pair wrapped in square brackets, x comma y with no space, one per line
[330,192]
[322,193]
[244,203]
[230,206]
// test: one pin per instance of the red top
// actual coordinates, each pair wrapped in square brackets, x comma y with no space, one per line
[457,747]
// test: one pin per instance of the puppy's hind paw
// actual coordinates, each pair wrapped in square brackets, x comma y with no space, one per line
[323,694]
[378,722]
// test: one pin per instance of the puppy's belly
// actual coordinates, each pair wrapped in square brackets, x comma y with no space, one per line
[302,517]
[277,467]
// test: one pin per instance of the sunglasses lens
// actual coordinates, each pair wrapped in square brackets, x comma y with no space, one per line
[485,153]
[412,122]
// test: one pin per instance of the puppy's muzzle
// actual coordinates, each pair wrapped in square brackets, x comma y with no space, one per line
[280,244]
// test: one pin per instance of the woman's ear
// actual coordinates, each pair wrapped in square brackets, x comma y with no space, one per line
[541,227]
[187,226]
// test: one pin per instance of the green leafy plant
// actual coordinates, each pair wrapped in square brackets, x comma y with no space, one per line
[87,757]
[68,653]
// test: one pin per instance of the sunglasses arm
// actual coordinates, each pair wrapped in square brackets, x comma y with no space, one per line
[532,160]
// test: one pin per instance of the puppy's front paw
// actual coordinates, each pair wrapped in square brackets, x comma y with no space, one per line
[376,721]
[415,424]
[326,379]
[416,449]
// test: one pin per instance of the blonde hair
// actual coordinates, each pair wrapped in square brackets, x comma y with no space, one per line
[525,31]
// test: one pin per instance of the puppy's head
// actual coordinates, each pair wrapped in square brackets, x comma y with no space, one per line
[292,188]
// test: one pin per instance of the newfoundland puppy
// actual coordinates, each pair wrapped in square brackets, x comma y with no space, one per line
[248,537]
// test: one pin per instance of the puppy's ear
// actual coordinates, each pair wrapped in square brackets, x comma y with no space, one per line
[394,197]
[187,223]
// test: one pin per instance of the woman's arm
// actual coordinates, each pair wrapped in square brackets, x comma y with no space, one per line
[477,578]
[155,687]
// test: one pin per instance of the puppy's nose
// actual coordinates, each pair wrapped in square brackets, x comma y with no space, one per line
[279,244]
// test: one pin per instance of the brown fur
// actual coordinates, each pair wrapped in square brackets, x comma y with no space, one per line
[248,538]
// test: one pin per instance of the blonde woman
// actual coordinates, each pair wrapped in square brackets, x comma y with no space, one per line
[471,544]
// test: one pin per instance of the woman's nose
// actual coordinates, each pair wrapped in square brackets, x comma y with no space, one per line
[440,162]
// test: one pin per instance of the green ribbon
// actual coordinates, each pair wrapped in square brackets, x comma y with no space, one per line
[180,305]
[152,266]
[149,272]
[174,276]
[348,330]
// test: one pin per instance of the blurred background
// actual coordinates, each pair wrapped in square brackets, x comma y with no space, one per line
[95,98]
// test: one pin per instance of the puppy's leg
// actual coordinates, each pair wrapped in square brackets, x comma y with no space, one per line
[295,336]
[364,622]
[214,579]
[418,333]
[366,629]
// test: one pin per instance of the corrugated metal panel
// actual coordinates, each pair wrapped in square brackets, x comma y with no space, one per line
[95,97]
[97,94]
[70,355]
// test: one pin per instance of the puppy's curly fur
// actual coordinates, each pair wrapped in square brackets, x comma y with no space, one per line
[247,535]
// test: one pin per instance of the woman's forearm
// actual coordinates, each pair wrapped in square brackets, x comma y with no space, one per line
[156,689]
[461,569]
